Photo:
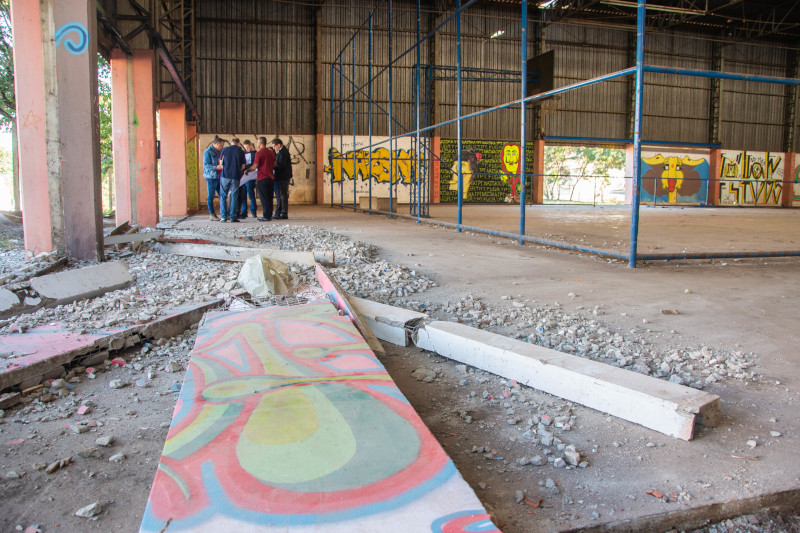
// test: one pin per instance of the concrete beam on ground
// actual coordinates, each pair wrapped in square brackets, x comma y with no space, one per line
[325,441]
[239,253]
[29,355]
[389,323]
[174,185]
[66,287]
[132,237]
[344,303]
[653,403]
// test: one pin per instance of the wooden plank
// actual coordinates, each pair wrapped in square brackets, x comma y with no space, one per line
[287,422]
[666,407]
[389,323]
[344,303]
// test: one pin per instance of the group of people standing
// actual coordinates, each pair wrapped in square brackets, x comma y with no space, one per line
[224,167]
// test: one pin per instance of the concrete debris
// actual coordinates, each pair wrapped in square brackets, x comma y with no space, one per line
[262,276]
[7,300]
[57,465]
[104,441]
[70,285]
[117,458]
[89,511]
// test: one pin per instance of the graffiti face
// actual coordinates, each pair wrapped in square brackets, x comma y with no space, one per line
[470,160]
[672,174]
[511,159]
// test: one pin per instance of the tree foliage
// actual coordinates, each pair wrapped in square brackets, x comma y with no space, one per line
[8,106]
[566,167]
[106,132]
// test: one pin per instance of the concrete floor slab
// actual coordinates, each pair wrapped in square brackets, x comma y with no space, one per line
[87,282]
[287,422]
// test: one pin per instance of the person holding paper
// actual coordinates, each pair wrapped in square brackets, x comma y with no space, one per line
[247,185]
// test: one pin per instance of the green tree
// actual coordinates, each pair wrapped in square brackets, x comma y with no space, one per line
[106,134]
[8,106]
[567,167]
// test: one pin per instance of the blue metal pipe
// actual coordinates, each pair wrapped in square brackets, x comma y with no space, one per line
[459,174]
[341,127]
[369,111]
[355,167]
[637,134]
[628,141]
[391,117]
[522,116]
[330,146]
[417,99]
[715,255]
[720,75]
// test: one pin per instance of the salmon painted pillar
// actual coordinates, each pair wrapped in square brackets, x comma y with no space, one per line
[174,186]
[55,58]
[787,193]
[133,121]
[714,175]
[538,172]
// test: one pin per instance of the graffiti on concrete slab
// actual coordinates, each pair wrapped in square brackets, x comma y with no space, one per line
[674,177]
[490,171]
[287,420]
[751,178]
[75,37]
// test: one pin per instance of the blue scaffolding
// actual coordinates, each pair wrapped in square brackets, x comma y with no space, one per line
[420,133]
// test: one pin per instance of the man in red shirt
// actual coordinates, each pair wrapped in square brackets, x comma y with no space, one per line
[265,178]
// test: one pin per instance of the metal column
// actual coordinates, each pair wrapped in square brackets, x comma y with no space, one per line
[458,116]
[637,133]
[522,118]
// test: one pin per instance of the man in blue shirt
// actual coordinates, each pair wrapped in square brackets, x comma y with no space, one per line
[232,170]
[212,171]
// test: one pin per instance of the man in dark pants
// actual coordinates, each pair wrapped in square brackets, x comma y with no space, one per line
[283,174]
[265,179]
[232,167]
[248,189]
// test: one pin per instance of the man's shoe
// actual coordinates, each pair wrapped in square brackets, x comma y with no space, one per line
[262,219]
[213,216]
[234,220]
[224,220]
[242,216]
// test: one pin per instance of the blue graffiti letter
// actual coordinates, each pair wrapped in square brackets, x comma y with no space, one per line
[74,45]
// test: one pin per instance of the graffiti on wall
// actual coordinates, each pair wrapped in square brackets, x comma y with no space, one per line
[287,419]
[490,171]
[751,178]
[75,37]
[191,170]
[348,170]
[796,195]
[674,178]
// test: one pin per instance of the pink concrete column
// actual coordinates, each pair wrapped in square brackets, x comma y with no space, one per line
[121,124]
[174,189]
[144,131]
[79,126]
[714,160]
[29,80]
[538,171]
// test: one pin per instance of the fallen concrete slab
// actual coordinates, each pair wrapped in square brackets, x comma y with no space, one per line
[8,300]
[344,303]
[389,323]
[653,403]
[66,287]
[323,438]
[132,237]
[24,356]
[240,253]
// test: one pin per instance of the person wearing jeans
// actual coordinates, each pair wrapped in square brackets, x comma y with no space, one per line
[232,170]
[212,171]
[283,174]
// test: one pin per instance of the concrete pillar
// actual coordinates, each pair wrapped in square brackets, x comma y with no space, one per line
[714,160]
[538,171]
[436,169]
[787,193]
[322,160]
[134,129]
[55,58]
[174,187]
[192,163]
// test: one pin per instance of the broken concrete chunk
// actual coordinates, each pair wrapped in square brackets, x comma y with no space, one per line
[7,300]
[68,286]
[104,441]
[93,509]
[262,276]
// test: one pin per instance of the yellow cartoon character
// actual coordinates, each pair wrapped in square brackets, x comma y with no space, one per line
[510,164]
[672,176]
[470,160]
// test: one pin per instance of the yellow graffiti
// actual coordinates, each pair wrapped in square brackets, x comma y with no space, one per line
[672,175]
[511,158]
[466,177]
[351,165]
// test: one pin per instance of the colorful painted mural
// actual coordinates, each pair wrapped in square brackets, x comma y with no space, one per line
[302,148]
[288,422]
[191,174]
[796,189]
[348,166]
[490,171]
[674,177]
[751,178]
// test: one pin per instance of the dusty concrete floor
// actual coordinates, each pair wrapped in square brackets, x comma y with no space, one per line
[746,305]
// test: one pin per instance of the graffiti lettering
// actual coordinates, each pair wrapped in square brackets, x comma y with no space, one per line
[353,164]
[74,45]
[751,178]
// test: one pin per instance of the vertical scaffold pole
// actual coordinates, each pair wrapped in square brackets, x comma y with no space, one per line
[369,112]
[391,119]
[458,116]
[355,167]
[419,123]
[637,132]
[330,147]
[341,129]
[523,155]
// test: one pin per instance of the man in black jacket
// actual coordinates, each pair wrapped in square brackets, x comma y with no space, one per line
[283,174]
